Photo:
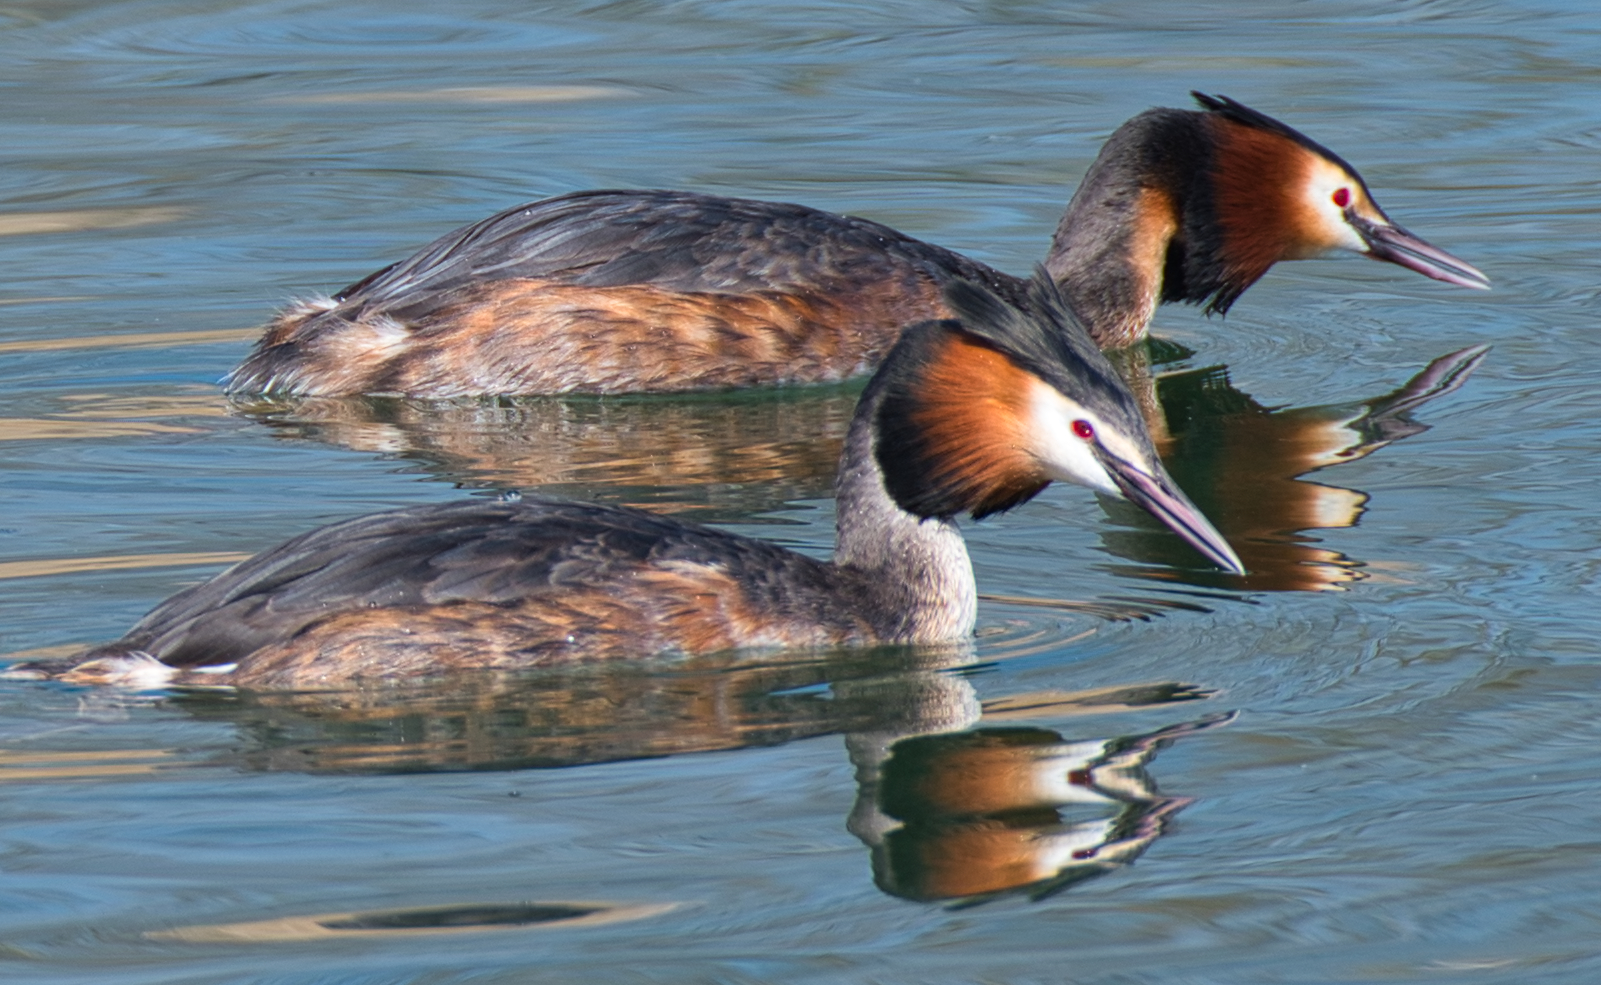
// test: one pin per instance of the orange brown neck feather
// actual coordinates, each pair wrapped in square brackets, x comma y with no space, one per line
[1258,176]
[1150,233]
[953,432]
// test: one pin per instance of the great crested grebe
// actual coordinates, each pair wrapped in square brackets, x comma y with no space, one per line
[974,415]
[659,291]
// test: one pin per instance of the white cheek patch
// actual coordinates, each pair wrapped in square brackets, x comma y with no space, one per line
[1330,230]
[1064,455]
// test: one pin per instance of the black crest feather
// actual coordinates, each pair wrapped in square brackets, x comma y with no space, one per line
[1246,116]
[1048,340]
[1044,339]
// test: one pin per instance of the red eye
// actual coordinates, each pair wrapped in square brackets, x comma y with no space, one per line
[1342,197]
[1084,430]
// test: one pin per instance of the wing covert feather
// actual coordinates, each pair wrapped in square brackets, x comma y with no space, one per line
[478,552]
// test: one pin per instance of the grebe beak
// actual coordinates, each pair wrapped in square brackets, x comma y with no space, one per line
[1162,499]
[1386,241]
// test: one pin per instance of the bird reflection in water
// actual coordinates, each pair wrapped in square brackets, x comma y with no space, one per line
[969,815]
[712,457]
[738,456]
[947,811]
[1243,464]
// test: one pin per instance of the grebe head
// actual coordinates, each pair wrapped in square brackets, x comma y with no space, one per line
[979,413]
[1276,194]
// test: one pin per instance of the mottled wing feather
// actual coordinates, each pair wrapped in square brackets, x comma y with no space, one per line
[675,240]
[607,292]
[556,559]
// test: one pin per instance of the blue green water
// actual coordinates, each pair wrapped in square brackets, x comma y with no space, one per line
[1407,789]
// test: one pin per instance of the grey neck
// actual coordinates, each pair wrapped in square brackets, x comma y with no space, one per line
[1110,249]
[918,576]
[1095,260]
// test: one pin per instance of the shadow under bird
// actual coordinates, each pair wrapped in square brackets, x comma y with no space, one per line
[663,291]
[971,415]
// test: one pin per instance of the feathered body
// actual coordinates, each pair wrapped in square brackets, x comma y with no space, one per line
[661,291]
[502,584]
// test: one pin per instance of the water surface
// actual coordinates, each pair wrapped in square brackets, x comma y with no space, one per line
[1375,764]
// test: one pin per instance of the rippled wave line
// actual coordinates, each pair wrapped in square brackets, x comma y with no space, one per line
[116,562]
